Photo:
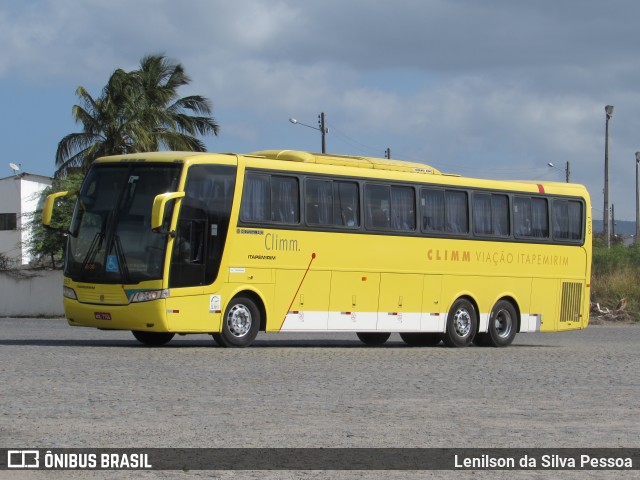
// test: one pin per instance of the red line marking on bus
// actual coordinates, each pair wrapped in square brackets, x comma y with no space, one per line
[313,257]
[540,188]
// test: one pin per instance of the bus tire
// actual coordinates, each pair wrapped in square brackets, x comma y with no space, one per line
[421,339]
[153,339]
[373,339]
[462,324]
[503,324]
[240,324]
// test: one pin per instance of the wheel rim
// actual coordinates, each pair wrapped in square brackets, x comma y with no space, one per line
[462,322]
[239,320]
[503,323]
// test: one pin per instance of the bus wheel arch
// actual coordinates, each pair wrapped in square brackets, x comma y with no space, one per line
[244,316]
[259,303]
[461,323]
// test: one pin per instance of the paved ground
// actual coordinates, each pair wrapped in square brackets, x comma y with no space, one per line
[74,387]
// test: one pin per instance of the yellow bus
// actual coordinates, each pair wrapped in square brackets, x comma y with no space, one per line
[230,245]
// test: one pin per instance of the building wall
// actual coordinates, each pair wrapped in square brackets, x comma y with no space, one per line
[29,293]
[10,203]
[31,188]
[19,194]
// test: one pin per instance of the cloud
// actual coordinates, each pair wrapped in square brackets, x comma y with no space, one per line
[492,88]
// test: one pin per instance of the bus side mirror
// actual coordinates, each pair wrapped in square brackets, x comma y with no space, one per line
[159,204]
[47,208]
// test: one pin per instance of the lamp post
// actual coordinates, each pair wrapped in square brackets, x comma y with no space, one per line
[637,200]
[321,127]
[566,170]
[609,111]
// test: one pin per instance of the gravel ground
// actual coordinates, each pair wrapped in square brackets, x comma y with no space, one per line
[76,387]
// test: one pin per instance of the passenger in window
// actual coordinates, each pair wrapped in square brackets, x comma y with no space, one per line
[348,217]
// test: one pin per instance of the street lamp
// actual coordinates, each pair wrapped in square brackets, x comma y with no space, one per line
[637,200]
[609,111]
[321,127]
[566,170]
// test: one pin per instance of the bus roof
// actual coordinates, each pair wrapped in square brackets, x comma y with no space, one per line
[348,161]
[375,164]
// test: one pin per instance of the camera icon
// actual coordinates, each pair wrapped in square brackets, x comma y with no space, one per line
[23,459]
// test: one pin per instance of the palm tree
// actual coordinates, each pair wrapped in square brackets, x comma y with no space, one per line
[136,111]
[167,116]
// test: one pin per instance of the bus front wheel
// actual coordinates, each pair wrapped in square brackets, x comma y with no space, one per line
[240,323]
[462,324]
[373,338]
[153,339]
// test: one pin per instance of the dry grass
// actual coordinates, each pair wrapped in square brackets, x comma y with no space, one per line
[615,282]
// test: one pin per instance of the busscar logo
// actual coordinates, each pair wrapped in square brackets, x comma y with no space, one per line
[23,459]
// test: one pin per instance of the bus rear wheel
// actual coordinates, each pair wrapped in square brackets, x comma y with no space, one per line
[240,324]
[421,339]
[503,323]
[373,338]
[153,339]
[462,324]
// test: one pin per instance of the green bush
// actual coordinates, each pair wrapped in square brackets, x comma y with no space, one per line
[615,277]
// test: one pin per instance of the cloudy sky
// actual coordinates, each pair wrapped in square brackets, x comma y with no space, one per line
[491,88]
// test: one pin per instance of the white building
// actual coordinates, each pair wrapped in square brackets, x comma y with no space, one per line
[19,197]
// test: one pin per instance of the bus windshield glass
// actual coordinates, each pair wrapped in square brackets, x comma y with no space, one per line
[110,239]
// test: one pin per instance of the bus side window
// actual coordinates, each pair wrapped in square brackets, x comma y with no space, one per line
[285,200]
[539,218]
[530,217]
[319,202]
[522,216]
[403,210]
[432,203]
[567,220]
[256,198]
[456,212]
[490,214]
[376,204]
[346,205]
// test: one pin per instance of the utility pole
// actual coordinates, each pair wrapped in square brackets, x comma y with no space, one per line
[321,126]
[387,153]
[613,221]
[567,171]
[609,111]
[323,131]
[635,240]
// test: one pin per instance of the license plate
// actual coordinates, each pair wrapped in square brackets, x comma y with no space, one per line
[102,316]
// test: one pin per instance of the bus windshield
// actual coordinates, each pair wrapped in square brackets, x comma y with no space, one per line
[110,239]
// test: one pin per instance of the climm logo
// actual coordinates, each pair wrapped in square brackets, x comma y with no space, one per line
[449,255]
[273,241]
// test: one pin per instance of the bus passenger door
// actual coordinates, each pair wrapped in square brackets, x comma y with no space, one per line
[353,304]
[400,302]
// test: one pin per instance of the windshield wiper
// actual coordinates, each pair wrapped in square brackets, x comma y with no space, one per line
[90,257]
[122,260]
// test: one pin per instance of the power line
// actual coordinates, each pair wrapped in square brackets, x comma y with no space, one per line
[368,149]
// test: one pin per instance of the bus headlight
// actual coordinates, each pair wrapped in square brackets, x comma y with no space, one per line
[149,295]
[69,293]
